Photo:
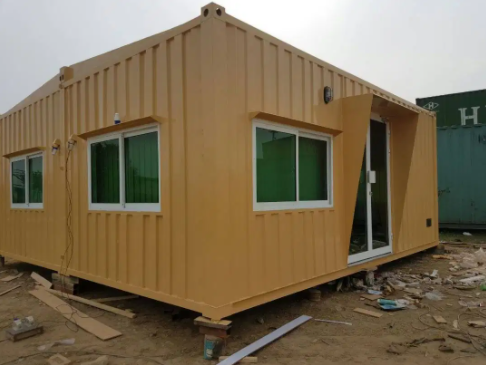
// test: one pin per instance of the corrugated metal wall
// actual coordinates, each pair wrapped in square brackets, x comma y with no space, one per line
[462,173]
[159,252]
[452,108]
[264,251]
[37,234]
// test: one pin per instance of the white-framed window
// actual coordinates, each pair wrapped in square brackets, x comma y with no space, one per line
[124,170]
[27,181]
[292,167]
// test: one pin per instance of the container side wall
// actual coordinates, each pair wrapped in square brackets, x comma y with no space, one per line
[38,235]
[265,252]
[158,252]
[462,172]
[466,108]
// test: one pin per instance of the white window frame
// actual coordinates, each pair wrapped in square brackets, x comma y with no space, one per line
[26,159]
[298,132]
[123,206]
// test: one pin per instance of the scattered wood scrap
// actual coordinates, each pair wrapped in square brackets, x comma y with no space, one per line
[473,279]
[11,277]
[58,359]
[477,324]
[92,303]
[116,299]
[44,282]
[439,319]
[368,313]
[9,290]
[371,297]
[459,338]
[248,359]
[87,323]
[442,257]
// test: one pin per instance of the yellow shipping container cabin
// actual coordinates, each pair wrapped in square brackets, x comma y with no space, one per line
[215,168]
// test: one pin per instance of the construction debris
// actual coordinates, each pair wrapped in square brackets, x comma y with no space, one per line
[459,338]
[371,297]
[92,303]
[368,313]
[48,346]
[23,328]
[11,277]
[335,322]
[44,282]
[439,319]
[80,319]
[398,304]
[58,359]
[477,324]
[473,279]
[102,360]
[255,346]
[446,348]
[441,257]
[9,290]
[434,295]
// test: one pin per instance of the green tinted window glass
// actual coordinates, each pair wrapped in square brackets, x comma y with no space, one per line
[105,172]
[312,169]
[142,168]
[35,179]
[18,182]
[275,165]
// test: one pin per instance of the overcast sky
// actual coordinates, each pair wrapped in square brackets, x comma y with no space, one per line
[412,48]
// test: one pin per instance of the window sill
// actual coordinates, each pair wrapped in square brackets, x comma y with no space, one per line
[276,207]
[293,122]
[26,151]
[129,208]
[122,126]
[26,209]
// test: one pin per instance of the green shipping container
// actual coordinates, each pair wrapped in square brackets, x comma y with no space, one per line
[461,164]
[468,108]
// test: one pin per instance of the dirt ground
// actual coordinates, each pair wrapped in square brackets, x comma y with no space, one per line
[158,336]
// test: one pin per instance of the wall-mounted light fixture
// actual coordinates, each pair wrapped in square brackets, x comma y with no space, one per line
[55,146]
[328,94]
[71,142]
[117,118]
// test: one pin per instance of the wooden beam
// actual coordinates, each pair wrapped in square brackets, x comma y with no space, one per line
[116,299]
[93,304]
[82,320]
[42,281]
[9,290]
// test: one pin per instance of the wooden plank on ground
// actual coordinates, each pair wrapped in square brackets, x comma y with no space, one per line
[12,277]
[368,313]
[87,323]
[116,299]
[42,281]
[105,307]
[439,319]
[473,279]
[371,296]
[9,290]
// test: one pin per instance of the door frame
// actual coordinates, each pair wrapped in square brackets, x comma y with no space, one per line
[387,250]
